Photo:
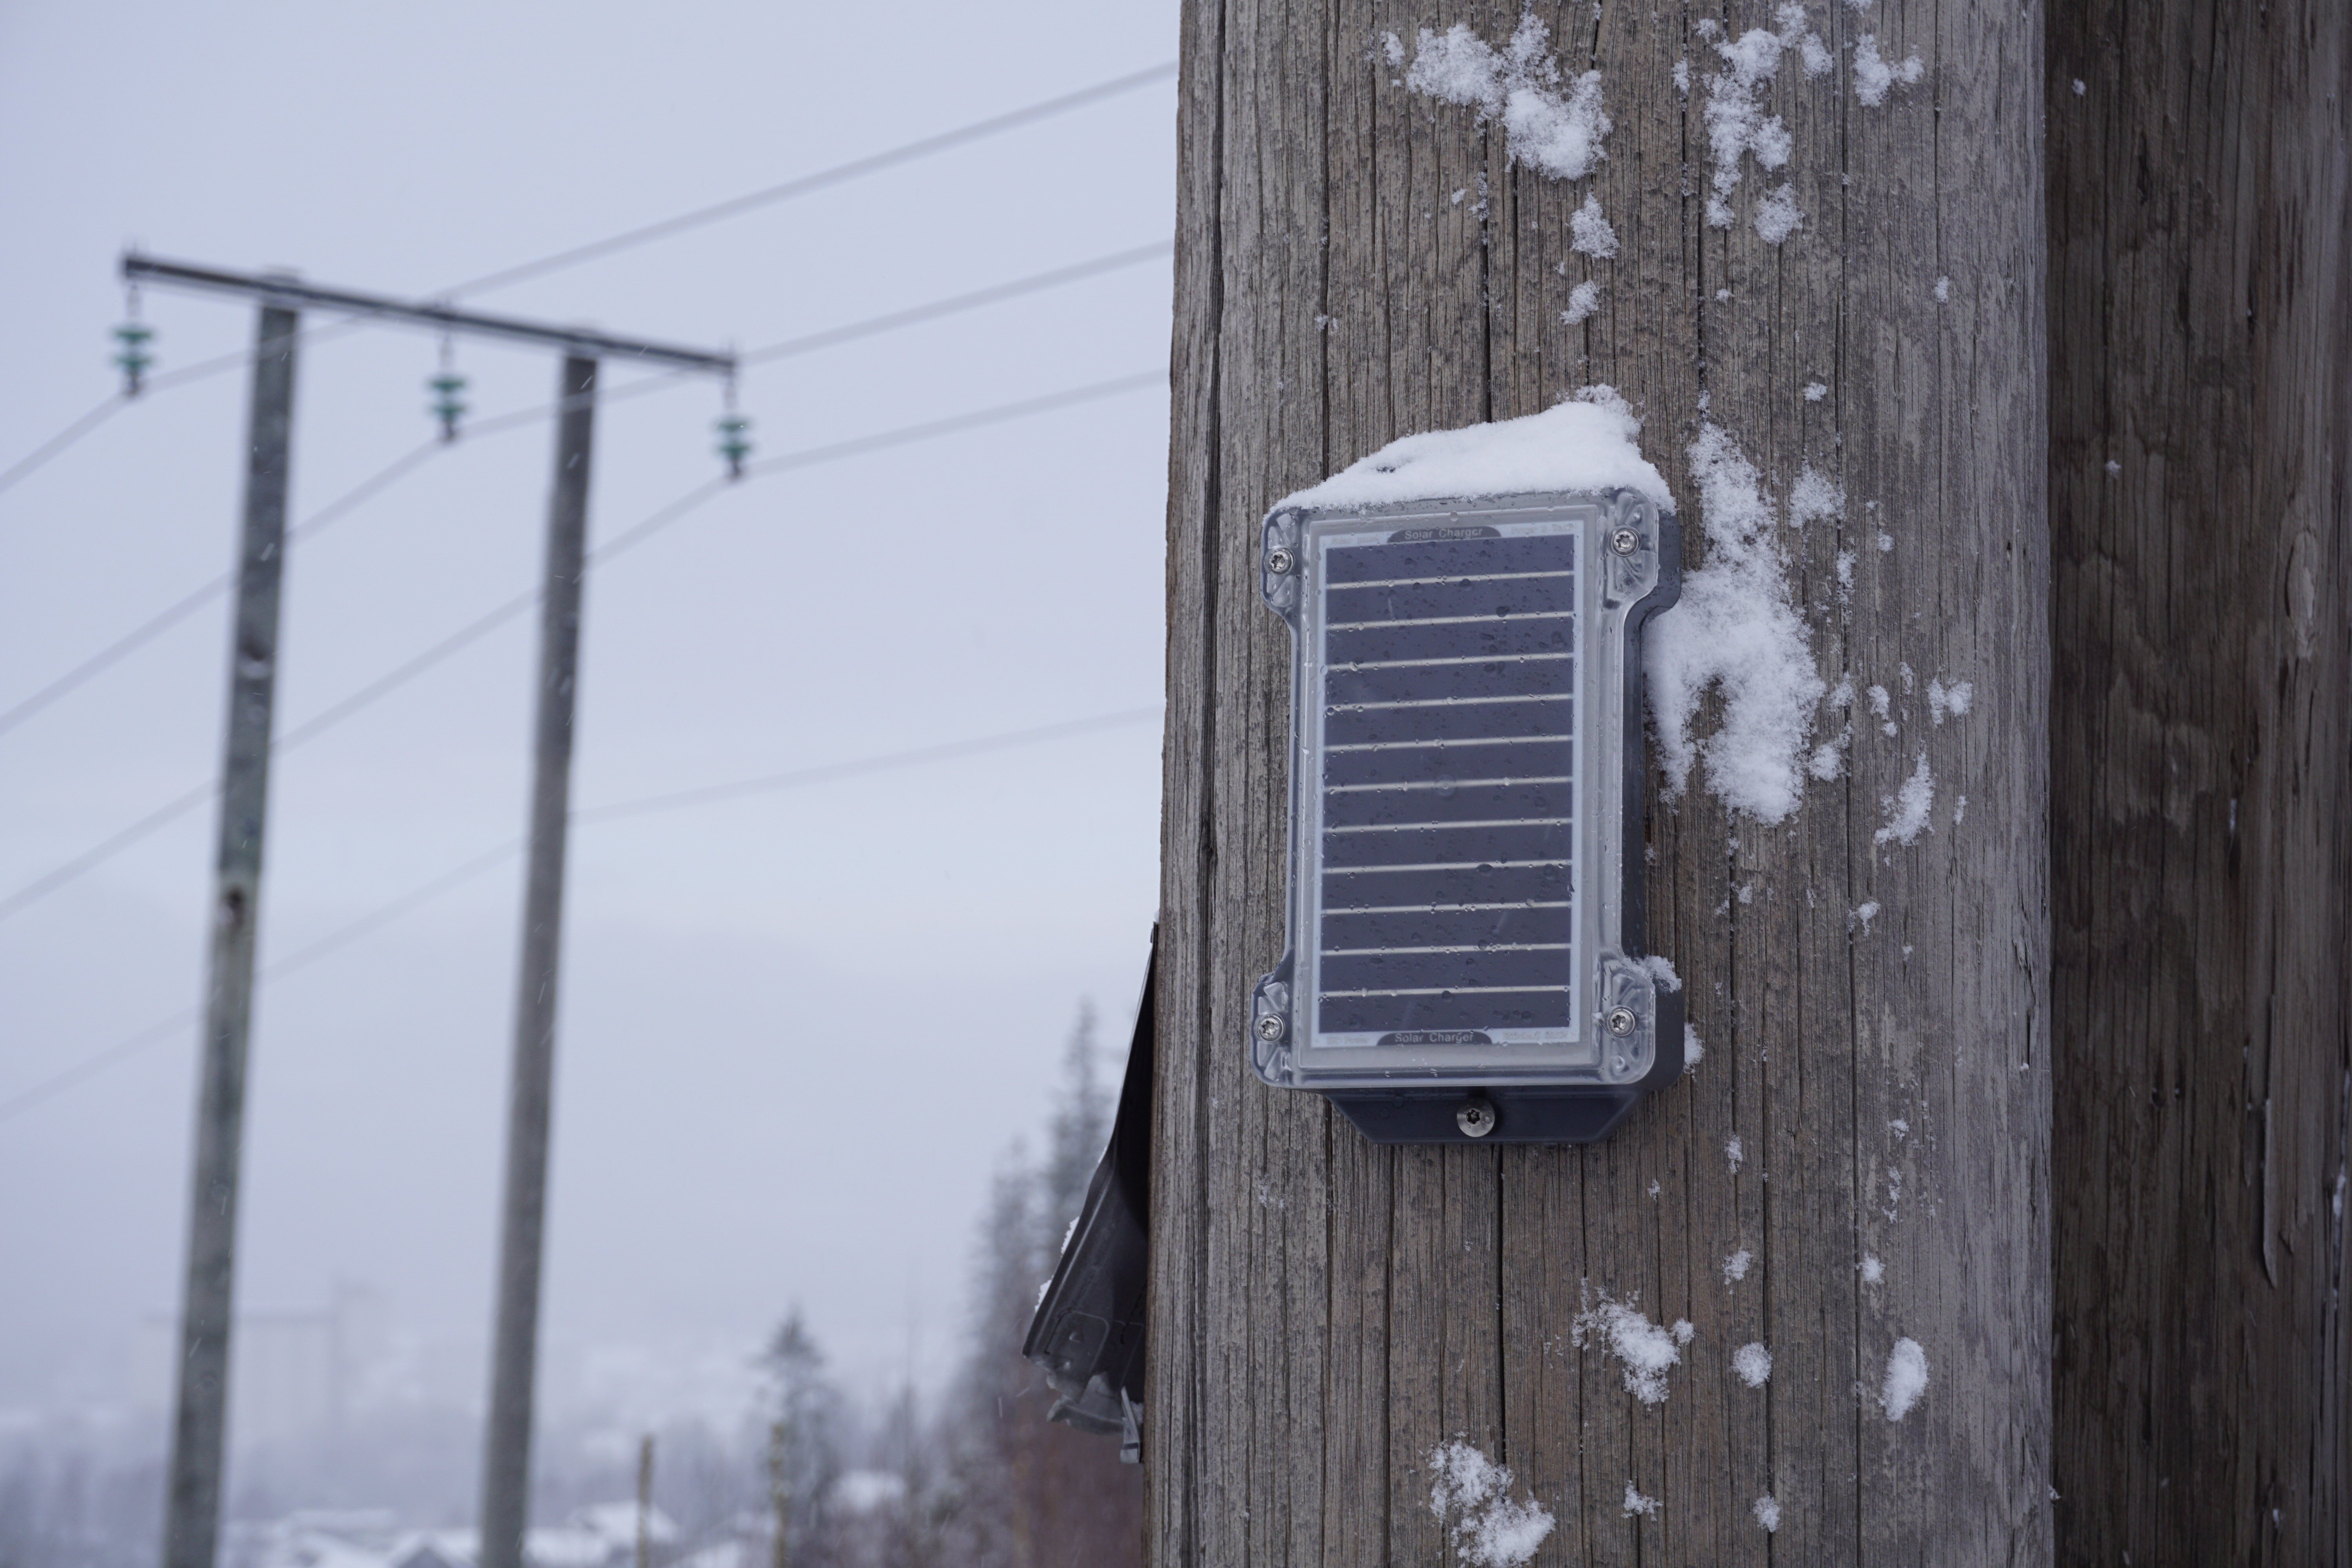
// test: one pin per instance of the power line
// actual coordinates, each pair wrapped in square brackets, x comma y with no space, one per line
[91,1065]
[1094,392]
[41,887]
[873,163]
[63,439]
[334,713]
[159,382]
[474,631]
[954,304]
[384,914]
[173,615]
[307,337]
[769,783]
[872,326]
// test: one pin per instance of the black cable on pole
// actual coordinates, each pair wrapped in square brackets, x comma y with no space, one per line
[678,800]
[628,539]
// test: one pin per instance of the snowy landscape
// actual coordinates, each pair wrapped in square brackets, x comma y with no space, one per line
[1744,915]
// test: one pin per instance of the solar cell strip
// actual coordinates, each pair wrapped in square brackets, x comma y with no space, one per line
[1396,805]
[1449,558]
[1478,762]
[1416,971]
[1532,1009]
[1492,637]
[1481,845]
[1471,747]
[1554,591]
[1538,675]
[1509,719]
[1456,926]
[1425,888]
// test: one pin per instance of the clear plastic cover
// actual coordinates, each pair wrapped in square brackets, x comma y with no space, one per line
[1462,763]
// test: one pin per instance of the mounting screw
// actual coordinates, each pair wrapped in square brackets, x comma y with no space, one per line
[1269,1027]
[1278,561]
[1476,1119]
[1624,542]
[1620,1020]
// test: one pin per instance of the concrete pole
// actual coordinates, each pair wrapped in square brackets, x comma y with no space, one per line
[506,1459]
[192,1511]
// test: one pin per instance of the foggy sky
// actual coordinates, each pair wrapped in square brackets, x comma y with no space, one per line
[797,1029]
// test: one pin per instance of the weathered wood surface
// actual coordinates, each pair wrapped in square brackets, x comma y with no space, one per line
[1355,264]
[2201,217]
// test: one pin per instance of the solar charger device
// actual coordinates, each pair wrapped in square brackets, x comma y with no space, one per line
[1465,955]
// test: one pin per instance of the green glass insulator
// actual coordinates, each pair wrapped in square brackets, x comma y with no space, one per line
[132,358]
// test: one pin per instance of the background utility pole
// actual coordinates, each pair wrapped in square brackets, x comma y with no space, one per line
[208,1299]
[506,1452]
[780,1495]
[1356,262]
[2200,493]
[645,1501]
[506,1468]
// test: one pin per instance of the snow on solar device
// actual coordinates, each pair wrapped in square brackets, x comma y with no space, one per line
[1466,866]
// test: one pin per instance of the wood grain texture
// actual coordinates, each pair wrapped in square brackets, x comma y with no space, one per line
[1357,263]
[2200,216]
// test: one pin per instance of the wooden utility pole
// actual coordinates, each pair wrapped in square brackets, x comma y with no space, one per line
[208,1294]
[1357,262]
[193,1509]
[780,1495]
[2200,232]
[645,1501]
[530,1091]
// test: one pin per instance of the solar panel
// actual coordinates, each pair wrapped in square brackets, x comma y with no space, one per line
[1465,710]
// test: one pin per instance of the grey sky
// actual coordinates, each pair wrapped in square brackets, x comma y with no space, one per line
[797,1028]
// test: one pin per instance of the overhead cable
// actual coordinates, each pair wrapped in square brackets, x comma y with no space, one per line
[628,539]
[63,439]
[769,783]
[873,163]
[173,615]
[165,619]
[384,914]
